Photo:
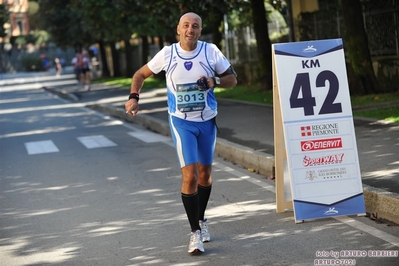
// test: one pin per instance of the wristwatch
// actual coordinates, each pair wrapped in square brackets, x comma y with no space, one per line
[216,80]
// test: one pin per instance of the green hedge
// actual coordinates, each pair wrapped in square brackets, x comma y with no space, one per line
[32,63]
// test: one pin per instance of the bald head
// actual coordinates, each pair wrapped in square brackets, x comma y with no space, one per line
[191,16]
[189,30]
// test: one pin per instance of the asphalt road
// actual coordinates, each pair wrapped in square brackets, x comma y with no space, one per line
[78,187]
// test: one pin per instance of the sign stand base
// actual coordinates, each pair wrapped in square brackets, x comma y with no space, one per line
[280,152]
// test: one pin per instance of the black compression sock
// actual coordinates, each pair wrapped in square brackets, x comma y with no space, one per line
[203,195]
[190,203]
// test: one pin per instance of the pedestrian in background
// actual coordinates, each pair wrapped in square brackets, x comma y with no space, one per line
[46,63]
[81,64]
[77,69]
[86,67]
[193,68]
[58,67]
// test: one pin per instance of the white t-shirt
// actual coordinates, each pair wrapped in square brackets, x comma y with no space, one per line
[183,69]
[85,60]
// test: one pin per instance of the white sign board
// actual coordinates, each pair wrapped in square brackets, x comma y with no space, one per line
[318,129]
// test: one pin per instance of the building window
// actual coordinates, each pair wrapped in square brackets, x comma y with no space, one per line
[20,27]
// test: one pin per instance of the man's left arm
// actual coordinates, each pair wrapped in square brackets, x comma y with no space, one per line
[227,79]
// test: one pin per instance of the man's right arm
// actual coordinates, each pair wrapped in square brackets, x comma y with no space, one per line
[132,105]
[139,77]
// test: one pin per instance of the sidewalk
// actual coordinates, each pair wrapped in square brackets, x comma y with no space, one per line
[247,138]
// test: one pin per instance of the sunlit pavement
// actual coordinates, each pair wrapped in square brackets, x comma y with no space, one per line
[120,207]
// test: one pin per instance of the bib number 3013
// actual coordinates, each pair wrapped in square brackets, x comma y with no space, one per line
[302,87]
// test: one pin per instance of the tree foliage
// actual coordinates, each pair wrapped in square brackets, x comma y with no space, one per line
[91,20]
[80,23]
[62,21]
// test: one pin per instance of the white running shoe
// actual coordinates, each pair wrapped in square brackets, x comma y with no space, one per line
[195,246]
[206,236]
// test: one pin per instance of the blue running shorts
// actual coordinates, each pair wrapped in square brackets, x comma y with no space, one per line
[194,141]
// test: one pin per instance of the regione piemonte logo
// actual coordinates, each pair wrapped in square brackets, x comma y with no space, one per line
[320,130]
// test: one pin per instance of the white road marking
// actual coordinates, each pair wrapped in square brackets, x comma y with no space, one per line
[98,141]
[38,147]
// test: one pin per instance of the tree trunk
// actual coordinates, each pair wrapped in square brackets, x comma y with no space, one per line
[170,38]
[216,20]
[2,64]
[290,22]
[160,44]
[356,43]
[104,64]
[263,43]
[145,50]
[129,58]
[115,60]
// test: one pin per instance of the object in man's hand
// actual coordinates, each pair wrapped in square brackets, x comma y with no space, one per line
[202,84]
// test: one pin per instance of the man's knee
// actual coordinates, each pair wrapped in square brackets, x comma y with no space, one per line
[204,175]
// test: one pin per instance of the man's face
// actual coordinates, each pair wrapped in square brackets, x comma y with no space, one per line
[189,29]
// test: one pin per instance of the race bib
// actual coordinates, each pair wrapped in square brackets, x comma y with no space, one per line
[189,98]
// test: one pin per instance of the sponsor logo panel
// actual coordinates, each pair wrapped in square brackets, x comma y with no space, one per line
[314,145]
[312,160]
[321,144]
[323,159]
[322,129]
[325,174]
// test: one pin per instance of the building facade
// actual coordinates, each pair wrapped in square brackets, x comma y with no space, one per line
[19,17]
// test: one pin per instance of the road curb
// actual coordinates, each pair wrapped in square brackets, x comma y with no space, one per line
[63,94]
[379,203]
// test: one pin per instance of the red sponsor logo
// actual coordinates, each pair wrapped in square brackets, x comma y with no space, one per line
[324,160]
[322,144]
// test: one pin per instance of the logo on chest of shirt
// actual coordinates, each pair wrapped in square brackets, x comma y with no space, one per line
[188,65]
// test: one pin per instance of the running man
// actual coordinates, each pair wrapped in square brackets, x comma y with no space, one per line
[193,68]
